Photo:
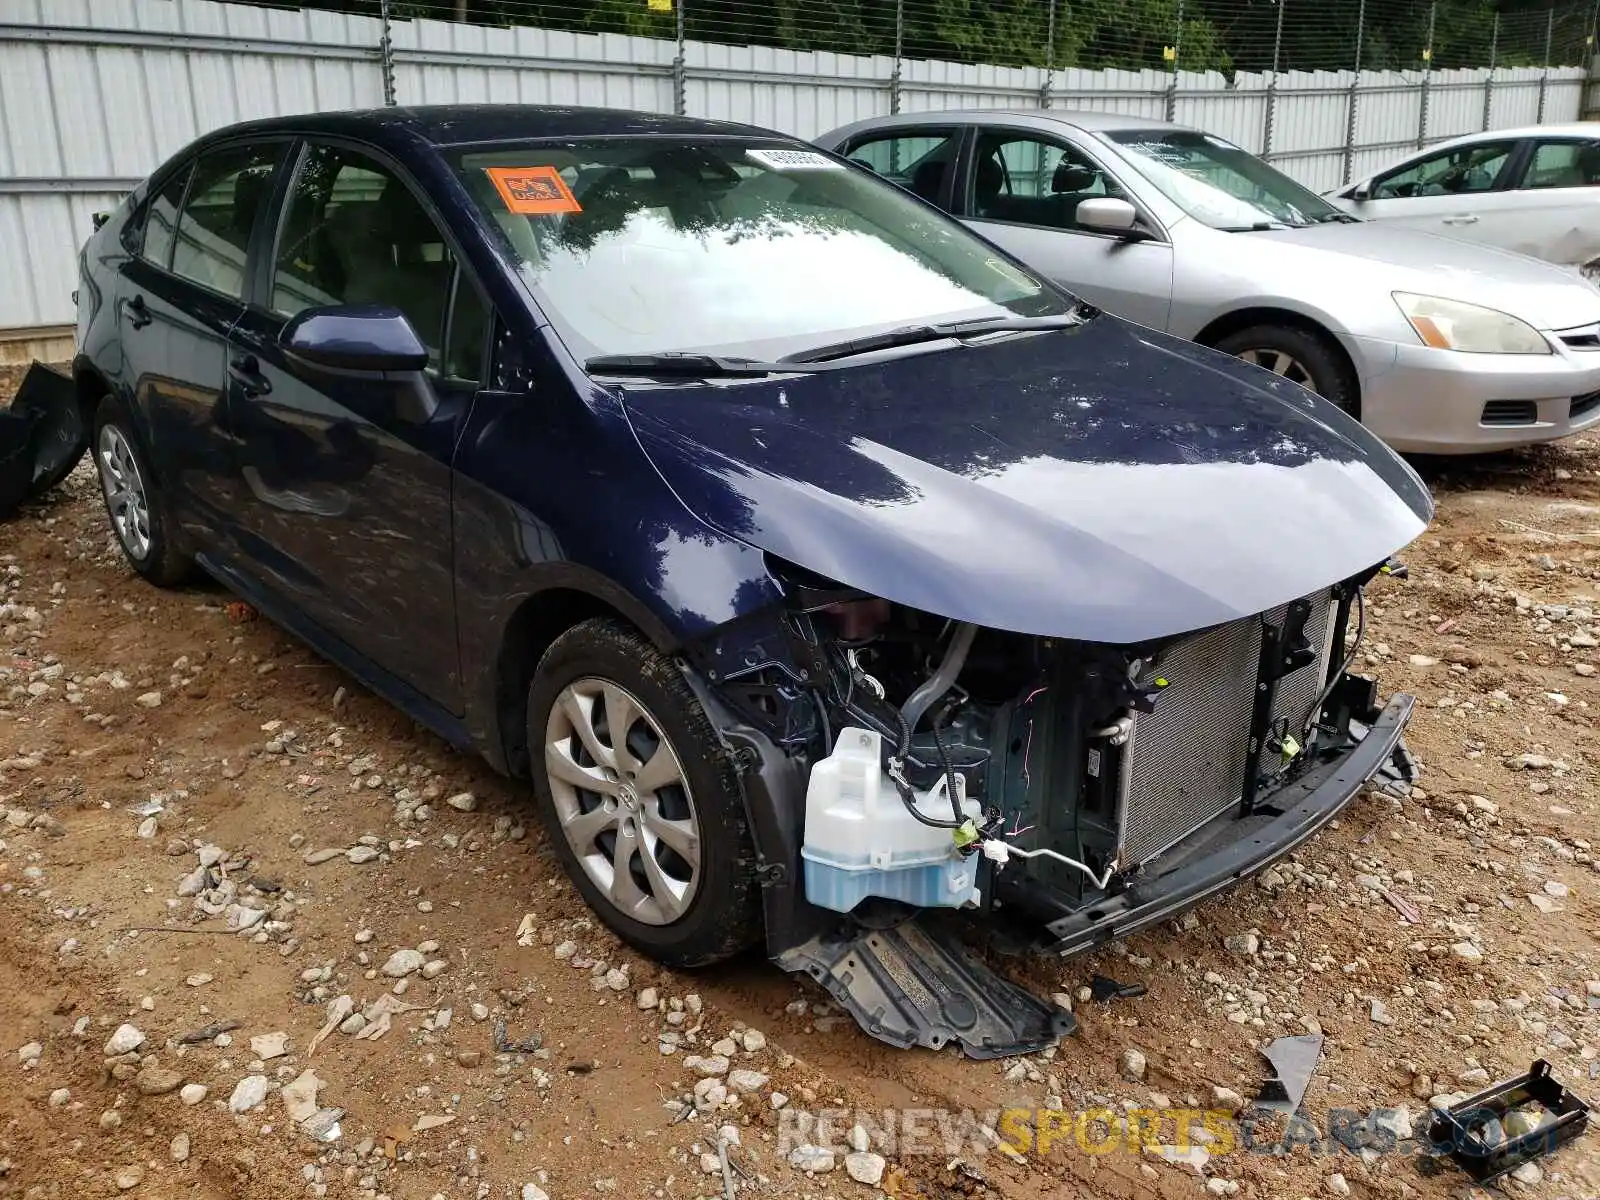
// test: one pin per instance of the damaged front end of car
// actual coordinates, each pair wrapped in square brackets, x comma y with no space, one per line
[912,780]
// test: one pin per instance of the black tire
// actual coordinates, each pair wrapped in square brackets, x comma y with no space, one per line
[723,914]
[1321,367]
[160,560]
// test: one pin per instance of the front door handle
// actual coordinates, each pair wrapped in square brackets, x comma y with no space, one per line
[1462,219]
[138,313]
[246,372]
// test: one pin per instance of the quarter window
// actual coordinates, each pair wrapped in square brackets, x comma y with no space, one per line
[230,188]
[1460,171]
[1564,165]
[355,233]
[161,220]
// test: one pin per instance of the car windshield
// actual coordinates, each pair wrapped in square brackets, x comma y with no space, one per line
[1216,182]
[740,246]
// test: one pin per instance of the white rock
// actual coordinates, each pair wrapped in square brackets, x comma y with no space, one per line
[647,999]
[148,700]
[198,979]
[59,1097]
[617,979]
[1467,952]
[1380,1012]
[532,1191]
[712,1066]
[463,802]
[1218,1186]
[865,1167]
[193,883]
[192,1093]
[179,1148]
[1336,1184]
[726,1047]
[402,963]
[248,1093]
[817,1159]
[1132,1065]
[435,968]
[29,1055]
[267,1046]
[129,1178]
[126,1038]
[743,1081]
[1529,1173]
[754,1041]
[1242,943]
[1394,1121]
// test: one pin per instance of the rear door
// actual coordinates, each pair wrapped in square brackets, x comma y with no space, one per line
[180,293]
[1461,192]
[349,478]
[1021,189]
[1557,216]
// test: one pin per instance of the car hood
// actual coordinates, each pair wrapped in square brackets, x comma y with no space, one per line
[1107,484]
[1397,258]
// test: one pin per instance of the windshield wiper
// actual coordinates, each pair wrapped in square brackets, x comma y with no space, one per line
[1343,218]
[910,335]
[685,365]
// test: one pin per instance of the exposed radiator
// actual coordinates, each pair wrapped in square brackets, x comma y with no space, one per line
[1185,762]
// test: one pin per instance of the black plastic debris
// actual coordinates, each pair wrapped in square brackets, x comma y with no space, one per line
[1104,989]
[1294,1059]
[42,436]
[1475,1133]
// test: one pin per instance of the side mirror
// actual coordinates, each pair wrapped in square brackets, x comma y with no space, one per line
[1362,190]
[355,337]
[1108,214]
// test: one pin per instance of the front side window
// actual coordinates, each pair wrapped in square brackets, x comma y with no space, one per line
[644,246]
[230,188]
[161,220]
[1461,171]
[1033,181]
[1564,165]
[354,233]
[1217,183]
[918,160]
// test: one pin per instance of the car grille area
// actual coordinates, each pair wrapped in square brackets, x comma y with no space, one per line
[1185,761]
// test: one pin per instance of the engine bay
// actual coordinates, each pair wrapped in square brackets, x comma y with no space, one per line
[1005,771]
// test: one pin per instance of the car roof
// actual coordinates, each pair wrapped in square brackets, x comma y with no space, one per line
[464,124]
[1085,119]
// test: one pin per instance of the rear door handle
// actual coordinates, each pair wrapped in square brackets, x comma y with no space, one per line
[1463,219]
[138,313]
[246,372]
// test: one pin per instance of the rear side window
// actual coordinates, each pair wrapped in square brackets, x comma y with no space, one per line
[1564,165]
[161,220]
[918,160]
[231,186]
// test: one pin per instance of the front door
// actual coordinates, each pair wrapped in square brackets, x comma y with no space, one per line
[1459,192]
[1022,191]
[349,478]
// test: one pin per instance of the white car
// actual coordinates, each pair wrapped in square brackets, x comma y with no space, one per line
[1533,190]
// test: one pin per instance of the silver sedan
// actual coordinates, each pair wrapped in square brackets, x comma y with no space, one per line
[1438,346]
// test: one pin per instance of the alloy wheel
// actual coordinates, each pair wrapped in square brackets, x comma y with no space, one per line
[623,800]
[1279,363]
[124,489]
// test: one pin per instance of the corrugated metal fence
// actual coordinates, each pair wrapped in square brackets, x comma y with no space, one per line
[95,93]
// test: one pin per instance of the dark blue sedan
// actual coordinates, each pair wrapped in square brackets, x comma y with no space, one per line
[834,580]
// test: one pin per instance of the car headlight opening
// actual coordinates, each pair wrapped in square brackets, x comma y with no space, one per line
[1469,328]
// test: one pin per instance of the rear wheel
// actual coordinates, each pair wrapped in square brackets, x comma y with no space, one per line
[642,804]
[134,502]
[1299,356]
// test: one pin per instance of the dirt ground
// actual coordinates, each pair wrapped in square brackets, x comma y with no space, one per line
[146,734]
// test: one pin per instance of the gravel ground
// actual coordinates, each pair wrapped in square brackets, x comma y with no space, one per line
[204,825]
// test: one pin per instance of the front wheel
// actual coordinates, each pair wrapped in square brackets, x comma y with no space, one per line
[1299,356]
[642,803]
[133,499]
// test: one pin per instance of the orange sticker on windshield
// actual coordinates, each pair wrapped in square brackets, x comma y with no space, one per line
[533,191]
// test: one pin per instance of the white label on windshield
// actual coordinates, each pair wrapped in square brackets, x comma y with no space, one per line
[793,160]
